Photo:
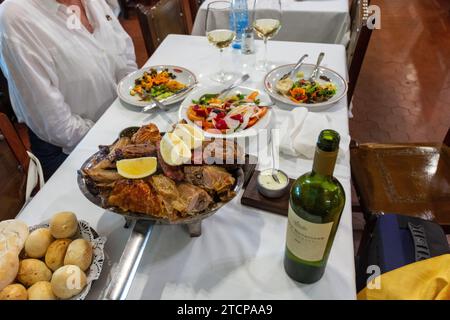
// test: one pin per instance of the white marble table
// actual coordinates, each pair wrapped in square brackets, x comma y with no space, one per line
[322,21]
[239,255]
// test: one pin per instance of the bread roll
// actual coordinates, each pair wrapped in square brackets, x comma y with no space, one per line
[64,225]
[9,265]
[14,291]
[37,243]
[68,281]
[54,258]
[13,234]
[41,290]
[79,253]
[32,271]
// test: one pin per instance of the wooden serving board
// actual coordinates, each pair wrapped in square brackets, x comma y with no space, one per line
[253,198]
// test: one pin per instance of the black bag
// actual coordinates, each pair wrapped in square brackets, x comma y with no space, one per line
[398,240]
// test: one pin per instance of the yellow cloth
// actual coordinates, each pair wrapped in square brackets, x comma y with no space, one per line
[424,280]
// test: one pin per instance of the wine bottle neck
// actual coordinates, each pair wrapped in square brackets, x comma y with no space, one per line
[324,162]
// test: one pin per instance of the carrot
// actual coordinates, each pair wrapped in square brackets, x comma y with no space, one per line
[193,116]
[207,125]
[261,113]
[252,96]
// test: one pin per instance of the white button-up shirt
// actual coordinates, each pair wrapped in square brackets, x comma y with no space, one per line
[61,77]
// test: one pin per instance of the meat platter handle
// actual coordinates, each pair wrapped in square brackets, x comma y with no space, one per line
[122,276]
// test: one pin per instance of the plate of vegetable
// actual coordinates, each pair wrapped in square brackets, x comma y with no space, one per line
[317,95]
[168,84]
[241,112]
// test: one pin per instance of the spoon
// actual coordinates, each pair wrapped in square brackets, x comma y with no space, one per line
[274,176]
[316,68]
[295,69]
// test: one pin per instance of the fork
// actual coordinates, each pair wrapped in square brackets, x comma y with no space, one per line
[313,75]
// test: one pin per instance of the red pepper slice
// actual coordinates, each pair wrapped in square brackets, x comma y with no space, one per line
[221,115]
[221,124]
[238,117]
[201,112]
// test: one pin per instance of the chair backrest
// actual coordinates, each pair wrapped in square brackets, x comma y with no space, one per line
[5,103]
[164,18]
[359,41]
[195,5]
[15,142]
[447,138]
[13,170]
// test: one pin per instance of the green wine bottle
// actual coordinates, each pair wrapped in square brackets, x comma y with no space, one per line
[315,207]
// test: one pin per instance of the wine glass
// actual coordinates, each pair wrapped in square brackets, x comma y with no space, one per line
[220,33]
[266,23]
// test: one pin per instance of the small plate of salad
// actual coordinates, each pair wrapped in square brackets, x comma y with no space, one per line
[320,94]
[241,112]
[160,82]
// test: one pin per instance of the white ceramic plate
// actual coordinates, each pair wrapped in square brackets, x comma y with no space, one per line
[126,84]
[252,131]
[273,76]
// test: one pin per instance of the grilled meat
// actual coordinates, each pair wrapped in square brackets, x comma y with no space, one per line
[147,134]
[196,199]
[138,196]
[102,176]
[159,196]
[220,152]
[212,178]
[168,191]
[134,151]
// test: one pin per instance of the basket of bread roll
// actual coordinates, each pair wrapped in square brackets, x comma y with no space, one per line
[50,261]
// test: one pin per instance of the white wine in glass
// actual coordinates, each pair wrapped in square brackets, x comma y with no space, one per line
[266,23]
[220,34]
[266,28]
[221,38]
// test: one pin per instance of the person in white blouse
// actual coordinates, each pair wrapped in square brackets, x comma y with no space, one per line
[62,60]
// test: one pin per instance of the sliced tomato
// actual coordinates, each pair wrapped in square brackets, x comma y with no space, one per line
[221,124]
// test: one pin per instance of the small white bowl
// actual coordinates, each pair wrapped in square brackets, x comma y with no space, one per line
[272,192]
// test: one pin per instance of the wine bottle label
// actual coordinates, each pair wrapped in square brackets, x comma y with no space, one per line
[307,240]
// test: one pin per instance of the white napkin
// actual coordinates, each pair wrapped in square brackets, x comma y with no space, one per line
[299,137]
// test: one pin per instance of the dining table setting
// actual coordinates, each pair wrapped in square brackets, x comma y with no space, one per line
[231,248]
[323,21]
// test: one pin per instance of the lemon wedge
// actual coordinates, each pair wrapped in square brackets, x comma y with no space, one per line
[174,150]
[191,135]
[137,168]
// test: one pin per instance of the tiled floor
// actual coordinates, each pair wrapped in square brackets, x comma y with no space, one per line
[403,93]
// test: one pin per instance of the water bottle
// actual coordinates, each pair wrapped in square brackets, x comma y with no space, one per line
[240,13]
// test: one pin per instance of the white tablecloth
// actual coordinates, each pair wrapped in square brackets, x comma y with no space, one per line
[322,21]
[240,252]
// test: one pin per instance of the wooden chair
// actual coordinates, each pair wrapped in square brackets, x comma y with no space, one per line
[126,6]
[13,170]
[359,41]
[405,178]
[164,18]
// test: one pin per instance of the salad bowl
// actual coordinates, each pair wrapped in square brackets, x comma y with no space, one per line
[324,76]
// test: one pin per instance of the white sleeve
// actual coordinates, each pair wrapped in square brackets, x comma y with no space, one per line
[34,82]
[129,53]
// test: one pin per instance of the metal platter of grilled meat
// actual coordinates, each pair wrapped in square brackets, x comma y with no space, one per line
[94,194]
